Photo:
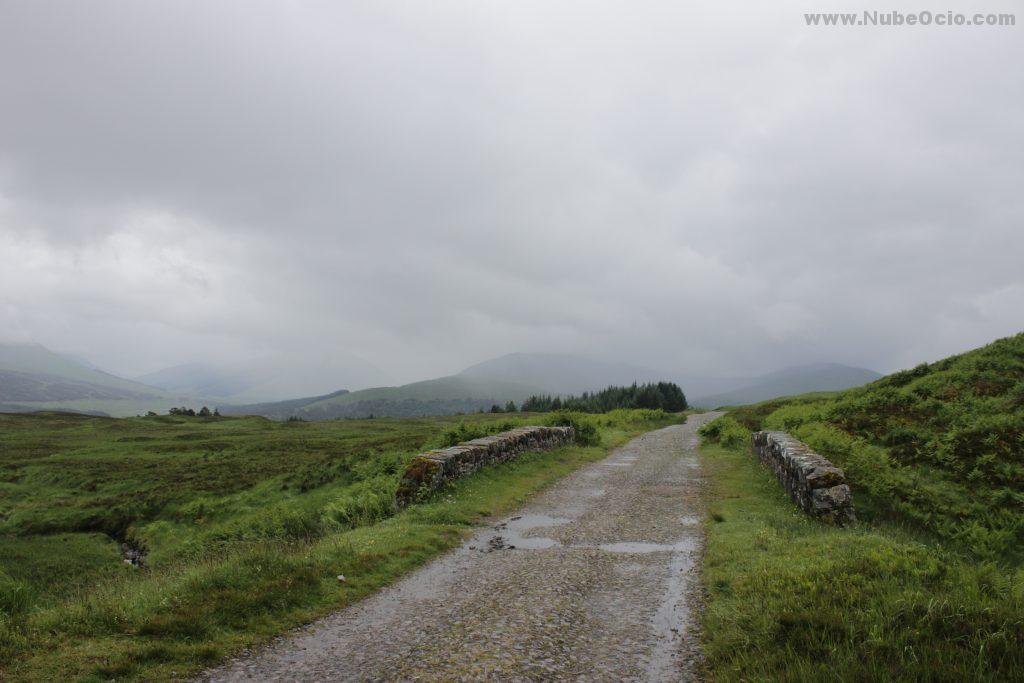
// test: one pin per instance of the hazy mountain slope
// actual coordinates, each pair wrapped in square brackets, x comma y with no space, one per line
[35,359]
[185,378]
[790,381]
[278,410]
[31,387]
[270,378]
[31,373]
[441,396]
[559,373]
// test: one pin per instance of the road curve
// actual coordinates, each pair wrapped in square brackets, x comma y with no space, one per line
[589,581]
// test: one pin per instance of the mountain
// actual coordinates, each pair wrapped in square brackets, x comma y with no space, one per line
[559,373]
[517,376]
[35,378]
[269,378]
[513,377]
[31,373]
[441,396]
[787,382]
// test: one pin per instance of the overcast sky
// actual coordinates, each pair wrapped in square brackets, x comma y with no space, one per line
[707,187]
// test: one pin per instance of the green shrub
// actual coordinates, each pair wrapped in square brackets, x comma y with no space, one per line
[464,432]
[583,426]
[725,431]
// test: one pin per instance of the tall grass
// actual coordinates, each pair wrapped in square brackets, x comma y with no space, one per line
[246,523]
[790,599]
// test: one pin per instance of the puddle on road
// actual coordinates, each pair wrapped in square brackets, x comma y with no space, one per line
[513,530]
[531,543]
[512,536]
[671,620]
[640,547]
[527,522]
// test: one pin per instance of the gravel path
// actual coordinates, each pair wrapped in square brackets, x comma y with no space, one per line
[590,581]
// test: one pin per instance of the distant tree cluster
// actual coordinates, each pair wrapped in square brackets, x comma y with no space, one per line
[665,395]
[190,412]
[510,407]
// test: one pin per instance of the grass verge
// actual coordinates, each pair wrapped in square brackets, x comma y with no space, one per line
[790,599]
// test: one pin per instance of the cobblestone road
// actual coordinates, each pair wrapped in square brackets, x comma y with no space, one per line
[590,581]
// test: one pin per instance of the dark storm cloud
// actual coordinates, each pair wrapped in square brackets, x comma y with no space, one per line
[689,186]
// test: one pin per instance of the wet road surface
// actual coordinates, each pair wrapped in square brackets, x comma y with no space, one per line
[591,580]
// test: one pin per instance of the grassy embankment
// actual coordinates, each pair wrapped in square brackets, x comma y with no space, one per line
[929,585]
[246,523]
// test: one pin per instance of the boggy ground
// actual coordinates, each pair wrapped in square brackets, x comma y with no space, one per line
[590,581]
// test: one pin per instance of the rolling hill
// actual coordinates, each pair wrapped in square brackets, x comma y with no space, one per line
[441,396]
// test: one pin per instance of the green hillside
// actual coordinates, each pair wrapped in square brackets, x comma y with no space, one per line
[940,446]
[929,584]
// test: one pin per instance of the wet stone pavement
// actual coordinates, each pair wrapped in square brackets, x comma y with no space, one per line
[591,581]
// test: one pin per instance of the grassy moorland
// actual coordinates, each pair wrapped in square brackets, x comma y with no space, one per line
[929,585]
[245,523]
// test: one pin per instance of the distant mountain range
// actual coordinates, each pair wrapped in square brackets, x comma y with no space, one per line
[787,382]
[516,376]
[442,396]
[35,378]
[513,377]
[31,373]
[275,377]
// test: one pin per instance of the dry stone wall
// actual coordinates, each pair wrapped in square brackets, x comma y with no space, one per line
[431,470]
[815,484]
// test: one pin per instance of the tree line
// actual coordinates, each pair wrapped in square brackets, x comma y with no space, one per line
[191,412]
[664,395]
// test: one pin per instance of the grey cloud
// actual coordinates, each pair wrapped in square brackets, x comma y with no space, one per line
[426,185]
